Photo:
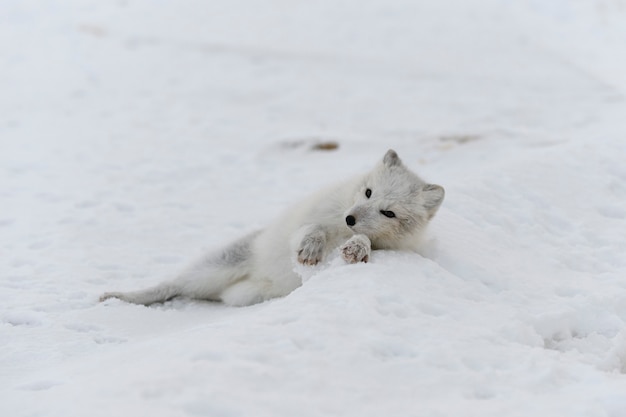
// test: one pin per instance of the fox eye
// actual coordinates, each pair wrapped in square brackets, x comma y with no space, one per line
[388,213]
[368,193]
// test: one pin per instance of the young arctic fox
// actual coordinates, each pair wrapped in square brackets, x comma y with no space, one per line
[387,208]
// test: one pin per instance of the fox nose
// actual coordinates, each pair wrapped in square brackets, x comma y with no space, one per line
[350,220]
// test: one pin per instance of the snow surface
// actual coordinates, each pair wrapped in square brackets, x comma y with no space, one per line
[136,134]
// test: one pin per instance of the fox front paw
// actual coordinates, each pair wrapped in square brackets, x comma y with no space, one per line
[311,252]
[357,249]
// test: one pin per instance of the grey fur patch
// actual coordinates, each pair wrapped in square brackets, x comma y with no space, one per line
[391,158]
[237,252]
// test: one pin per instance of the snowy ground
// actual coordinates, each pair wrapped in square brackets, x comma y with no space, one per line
[136,134]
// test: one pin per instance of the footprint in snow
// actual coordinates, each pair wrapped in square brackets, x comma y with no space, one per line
[23,318]
[82,327]
[104,340]
[41,385]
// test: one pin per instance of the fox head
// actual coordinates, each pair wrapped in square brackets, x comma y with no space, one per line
[393,205]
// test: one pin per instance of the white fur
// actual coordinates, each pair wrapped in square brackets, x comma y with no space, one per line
[260,266]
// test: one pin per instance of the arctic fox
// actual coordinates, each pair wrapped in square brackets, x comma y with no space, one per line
[387,208]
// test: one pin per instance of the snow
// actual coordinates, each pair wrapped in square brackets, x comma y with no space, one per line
[135,135]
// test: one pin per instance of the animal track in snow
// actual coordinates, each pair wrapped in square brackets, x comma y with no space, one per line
[23,318]
[40,385]
[102,340]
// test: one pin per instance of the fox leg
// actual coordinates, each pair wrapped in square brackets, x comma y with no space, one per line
[356,249]
[243,293]
[310,244]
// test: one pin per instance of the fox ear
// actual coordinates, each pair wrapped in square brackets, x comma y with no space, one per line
[433,195]
[391,158]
